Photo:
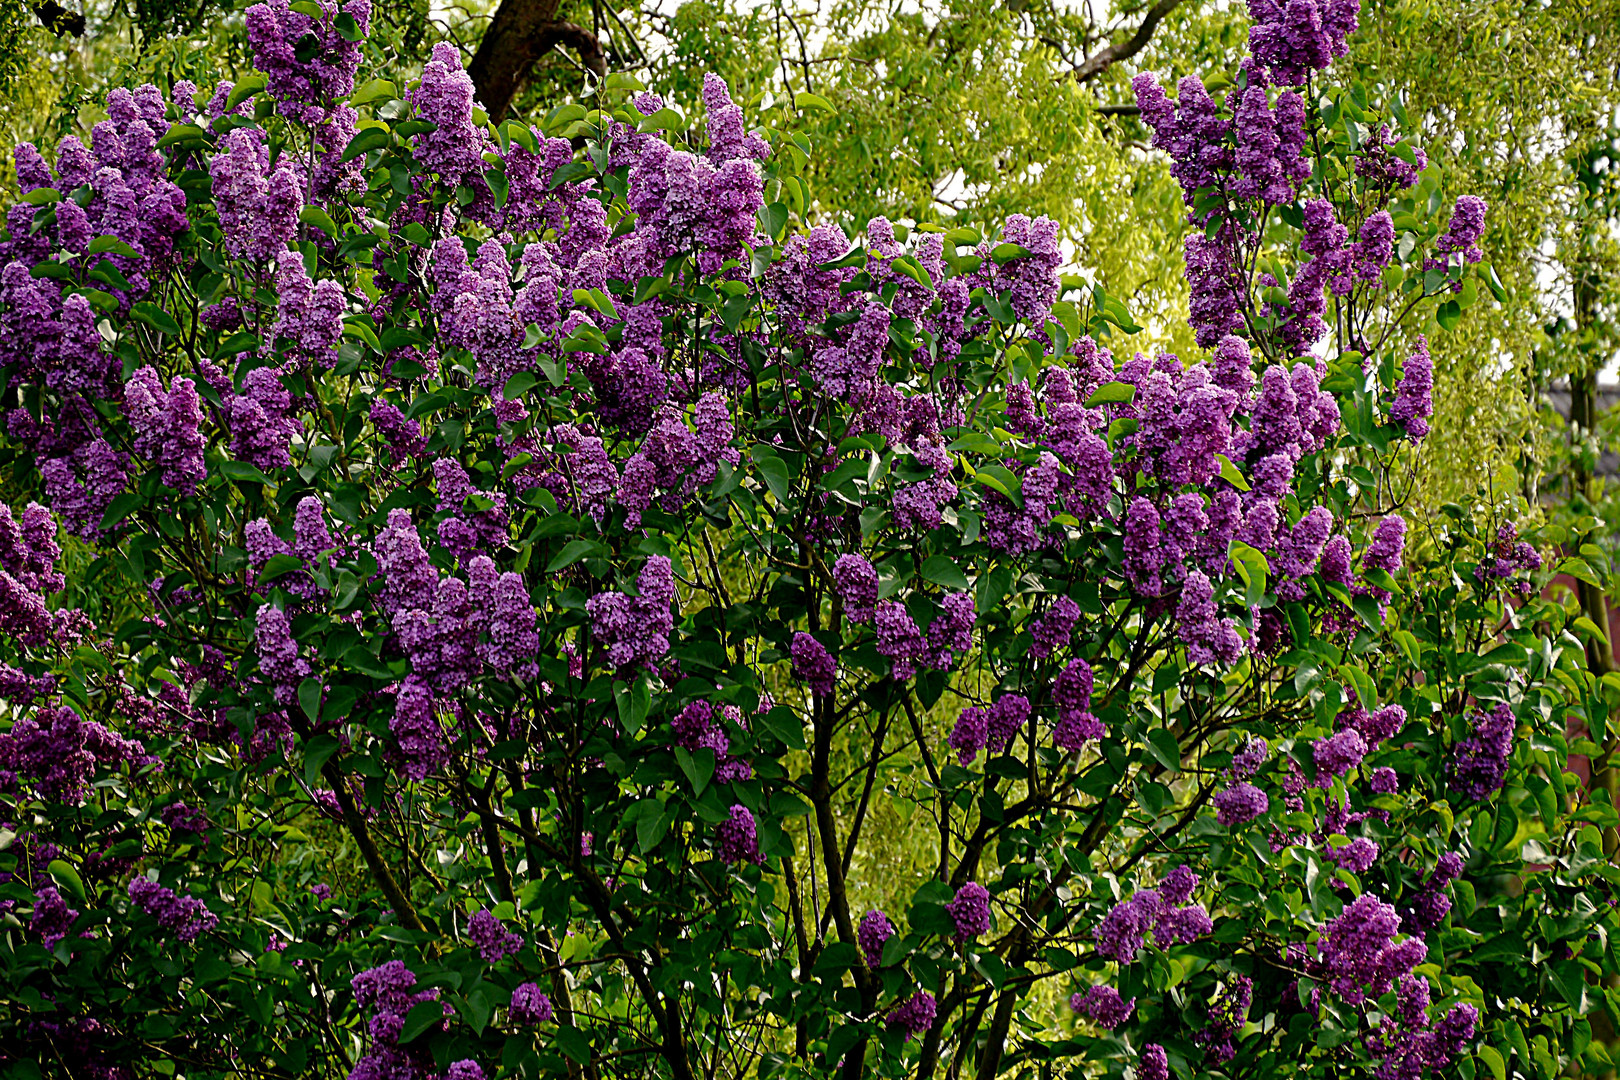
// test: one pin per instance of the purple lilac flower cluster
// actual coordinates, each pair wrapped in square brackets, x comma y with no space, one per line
[308,89]
[530,1007]
[494,941]
[389,992]
[914,1016]
[1409,1043]
[736,839]
[970,911]
[52,754]
[635,629]
[1507,558]
[874,931]
[701,725]
[1479,763]
[1227,1015]
[1168,912]
[1103,1006]
[184,916]
[993,727]
[52,918]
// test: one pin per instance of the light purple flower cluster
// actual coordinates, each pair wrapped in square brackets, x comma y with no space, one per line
[278,654]
[308,89]
[1052,630]
[184,916]
[168,427]
[494,941]
[1239,804]
[1168,912]
[970,911]
[529,1006]
[914,1016]
[675,459]
[1414,395]
[874,931]
[258,208]
[813,664]
[1479,763]
[310,314]
[1071,693]
[635,629]
[1103,1006]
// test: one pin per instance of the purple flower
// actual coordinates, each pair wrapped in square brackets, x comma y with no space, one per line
[1181,925]
[1248,758]
[416,730]
[1338,754]
[184,916]
[1479,763]
[1239,804]
[308,89]
[1295,37]
[1388,543]
[52,754]
[1383,781]
[735,839]
[1123,930]
[970,911]
[278,653]
[494,941]
[1144,548]
[52,917]
[530,1006]
[971,733]
[465,1069]
[1359,952]
[636,629]
[914,1016]
[1103,1006]
[899,639]
[1467,226]
[1053,629]
[1227,1015]
[455,148]
[1154,1064]
[951,633]
[813,664]
[1414,402]
[168,427]
[1006,718]
[1177,886]
[874,931]
[1209,638]
[857,584]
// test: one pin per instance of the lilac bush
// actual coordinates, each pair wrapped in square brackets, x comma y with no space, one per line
[525,559]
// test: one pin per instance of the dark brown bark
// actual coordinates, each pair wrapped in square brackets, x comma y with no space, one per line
[58,19]
[520,33]
[1106,57]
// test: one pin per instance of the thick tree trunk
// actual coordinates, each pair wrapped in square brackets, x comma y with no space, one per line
[521,32]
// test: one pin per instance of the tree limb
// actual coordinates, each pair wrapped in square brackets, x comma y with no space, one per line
[520,33]
[1106,57]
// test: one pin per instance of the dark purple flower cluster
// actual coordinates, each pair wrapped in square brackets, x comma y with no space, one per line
[977,728]
[184,916]
[529,1006]
[168,427]
[388,991]
[494,941]
[1227,1015]
[635,629]
[970,911]
[813,664]
[1071,693]
[53,753]
[1412,1046]
[52,918]
[914,1016]
[702,725]
[1168,912]
[1507,557]
[1430,905]
[1358,954]
[1414,396]
[1154,1063]
[1103,1006]
[1296,37]
[1479,763]
[736,839]
[875,930]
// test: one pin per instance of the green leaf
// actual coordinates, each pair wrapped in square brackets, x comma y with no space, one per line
[1162,745]
[347,27]
[572,1042]
[519,384]
[499,186]
[66,877]
[314,215]
[1002,253]
[1449,315]
[1001,480]
[1114,393]
[43,195]
[785,724]
[309,698]
[243,472]
[698,767]
[944,572]
[103,244]
[155,317]
[1231,474]
[665,119]
[806,100]
[120,508]
[316,754]
[365,141]
[572,552]
[182,133]
[1493,1061]
[1252,570]
[279,566]
[419,1019]
[238,343]
[375,90]
[774,471]
[1362,683]
[652,826]
[245,88]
